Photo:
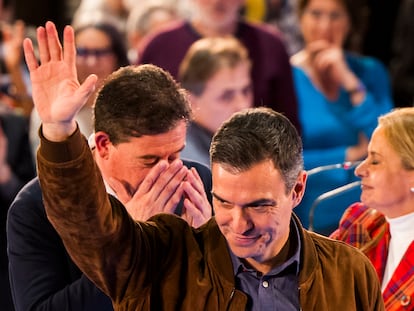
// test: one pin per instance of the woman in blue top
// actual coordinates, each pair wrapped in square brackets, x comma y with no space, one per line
[340,96]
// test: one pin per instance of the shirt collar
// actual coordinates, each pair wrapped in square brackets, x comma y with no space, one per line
[294,237]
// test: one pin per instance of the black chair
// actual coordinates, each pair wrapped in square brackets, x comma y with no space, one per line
[333,202]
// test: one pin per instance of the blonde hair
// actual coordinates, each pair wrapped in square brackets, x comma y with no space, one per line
[398,128]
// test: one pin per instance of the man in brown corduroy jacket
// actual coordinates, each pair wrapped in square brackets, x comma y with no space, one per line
[252,255]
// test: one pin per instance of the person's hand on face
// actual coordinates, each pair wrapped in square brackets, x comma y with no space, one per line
[57,93]
[197,209]
[159,192]
[328,61]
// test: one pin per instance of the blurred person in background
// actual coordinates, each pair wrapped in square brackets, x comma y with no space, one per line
[271,72]
[101,49]
[145,19]
[340,95]
[381,225]
[216,74]
[14,77]
[16,160]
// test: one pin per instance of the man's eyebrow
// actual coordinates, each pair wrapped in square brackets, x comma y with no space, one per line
[259,202]
[153,156]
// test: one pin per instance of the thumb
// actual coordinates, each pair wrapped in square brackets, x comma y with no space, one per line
[87,87]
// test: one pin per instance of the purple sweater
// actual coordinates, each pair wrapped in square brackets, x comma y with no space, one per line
[271,70]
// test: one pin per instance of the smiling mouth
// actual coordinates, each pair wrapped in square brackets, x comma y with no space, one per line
[245,240]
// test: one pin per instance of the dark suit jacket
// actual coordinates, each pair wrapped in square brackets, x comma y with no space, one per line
[20,159]
[43,277]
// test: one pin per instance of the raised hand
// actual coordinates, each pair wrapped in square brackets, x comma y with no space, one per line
[56,91]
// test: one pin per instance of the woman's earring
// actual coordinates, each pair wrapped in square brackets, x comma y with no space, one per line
[412,189]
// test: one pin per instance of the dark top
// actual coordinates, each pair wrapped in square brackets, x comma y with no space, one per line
[271,70]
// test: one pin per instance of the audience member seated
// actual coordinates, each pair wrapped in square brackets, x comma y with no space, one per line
[216,73]
[340,95]
[381,225]
[271,72]
[16,168]
[14,82]
[137,155]
[112,11]
[101,49]
[144,20]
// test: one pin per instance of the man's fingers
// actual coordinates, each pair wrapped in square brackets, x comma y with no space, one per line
[194,178]
[87,87]
[69,49]
[119,189]
[162,178]
[29,55]
[151,178]
[193,215]
[42,43]
[55,49]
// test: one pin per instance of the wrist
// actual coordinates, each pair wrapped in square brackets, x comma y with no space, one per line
[57,132]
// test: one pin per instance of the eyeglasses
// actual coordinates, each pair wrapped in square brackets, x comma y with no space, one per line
[333,16]
[84,52]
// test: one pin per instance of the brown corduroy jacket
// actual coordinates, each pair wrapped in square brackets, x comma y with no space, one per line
[164,264]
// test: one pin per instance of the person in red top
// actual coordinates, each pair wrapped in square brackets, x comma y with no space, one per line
[382,225]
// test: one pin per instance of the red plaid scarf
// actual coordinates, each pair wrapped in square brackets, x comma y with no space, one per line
[367,229]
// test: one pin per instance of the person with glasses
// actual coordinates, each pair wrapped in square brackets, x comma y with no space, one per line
[340,95]
[101,49]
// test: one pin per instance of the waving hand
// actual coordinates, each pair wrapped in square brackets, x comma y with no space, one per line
[57,94]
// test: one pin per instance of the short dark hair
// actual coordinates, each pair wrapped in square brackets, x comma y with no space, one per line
[255,135]
[139,100]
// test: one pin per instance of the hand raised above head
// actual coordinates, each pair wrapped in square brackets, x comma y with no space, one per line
[57,93]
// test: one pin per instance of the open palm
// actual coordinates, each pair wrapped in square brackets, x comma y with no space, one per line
[57,94]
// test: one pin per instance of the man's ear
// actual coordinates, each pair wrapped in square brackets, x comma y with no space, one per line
[102,144]
[299,188]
